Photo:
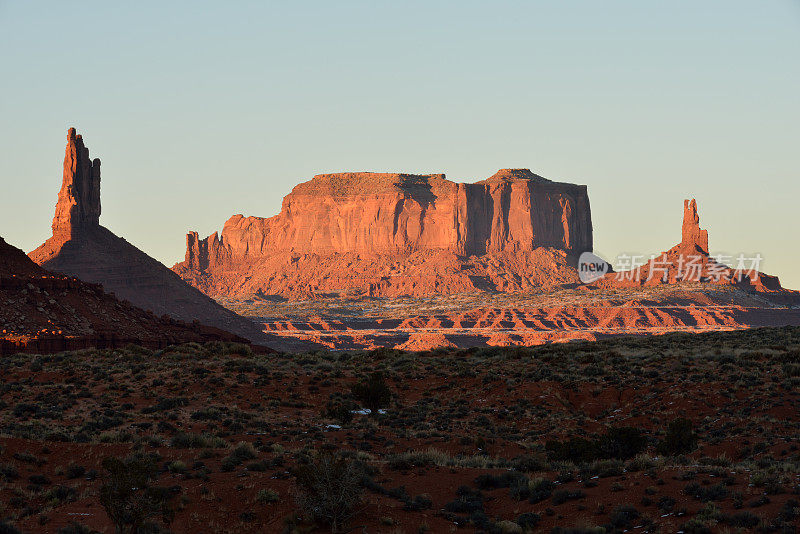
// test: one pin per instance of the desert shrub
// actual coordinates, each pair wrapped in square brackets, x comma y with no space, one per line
[60,494]
[717,492]
[128,497]
[528,520]
[243,451]
[76,528]
[8,472]
[468,501]
[26,409]
[329,489]
[563,495]
[578,530]
[418,503]
[761,500]
[530,463]
[39,479]
[622,517]
[372,392]
[407,460]
[680,438]
[507,527]
[184,440]
[266,495]
[225,348]
[603,469]
[247,516]
[339,410]
[74,471]
[642,462]
[695,526]
[539,489]
[260,466]
[709,512]
[617,443]
[742,519]
[666,504]
[504,480]
[6,528]
[790,510]
[177,467]
[207,414]
[576,450]
[166,403]
[621,443]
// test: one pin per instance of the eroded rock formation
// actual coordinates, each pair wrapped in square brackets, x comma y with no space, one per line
[371,233]
[690,261]
[79,198]
[691,234]
[82,248]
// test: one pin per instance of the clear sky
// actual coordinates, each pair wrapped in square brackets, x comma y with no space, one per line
[200,110]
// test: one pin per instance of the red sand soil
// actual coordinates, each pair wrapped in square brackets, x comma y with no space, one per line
[478,409]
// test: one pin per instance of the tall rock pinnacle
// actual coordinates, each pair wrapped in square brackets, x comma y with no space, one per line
[692,235]
[78,203]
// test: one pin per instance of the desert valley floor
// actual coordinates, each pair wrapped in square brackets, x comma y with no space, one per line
[508,319]
[679,432]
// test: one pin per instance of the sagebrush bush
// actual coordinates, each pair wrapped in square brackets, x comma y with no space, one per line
[329,489]
[372,392]
[680,438]
[128,497]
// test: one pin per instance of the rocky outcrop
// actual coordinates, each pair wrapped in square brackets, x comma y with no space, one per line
[691,234]
[690,261]
[82,248]
[45,312]
[378,227]
[79,198]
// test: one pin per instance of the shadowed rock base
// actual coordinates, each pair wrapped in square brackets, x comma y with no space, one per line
[43,312]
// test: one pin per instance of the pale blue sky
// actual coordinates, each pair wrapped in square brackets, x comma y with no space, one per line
[200,110]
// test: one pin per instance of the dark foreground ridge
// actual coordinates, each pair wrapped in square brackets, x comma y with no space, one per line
[44,312]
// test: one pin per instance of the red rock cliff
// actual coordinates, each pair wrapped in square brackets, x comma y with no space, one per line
[389,213]
[380,215]
[691,234]
[79,197]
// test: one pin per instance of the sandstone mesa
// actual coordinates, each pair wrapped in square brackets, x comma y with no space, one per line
[386,234]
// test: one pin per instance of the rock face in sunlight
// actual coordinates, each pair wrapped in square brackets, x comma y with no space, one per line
[79,198]
[692,235]
[82,248]
[371,233]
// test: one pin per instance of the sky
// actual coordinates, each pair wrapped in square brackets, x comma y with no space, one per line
[201,110]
